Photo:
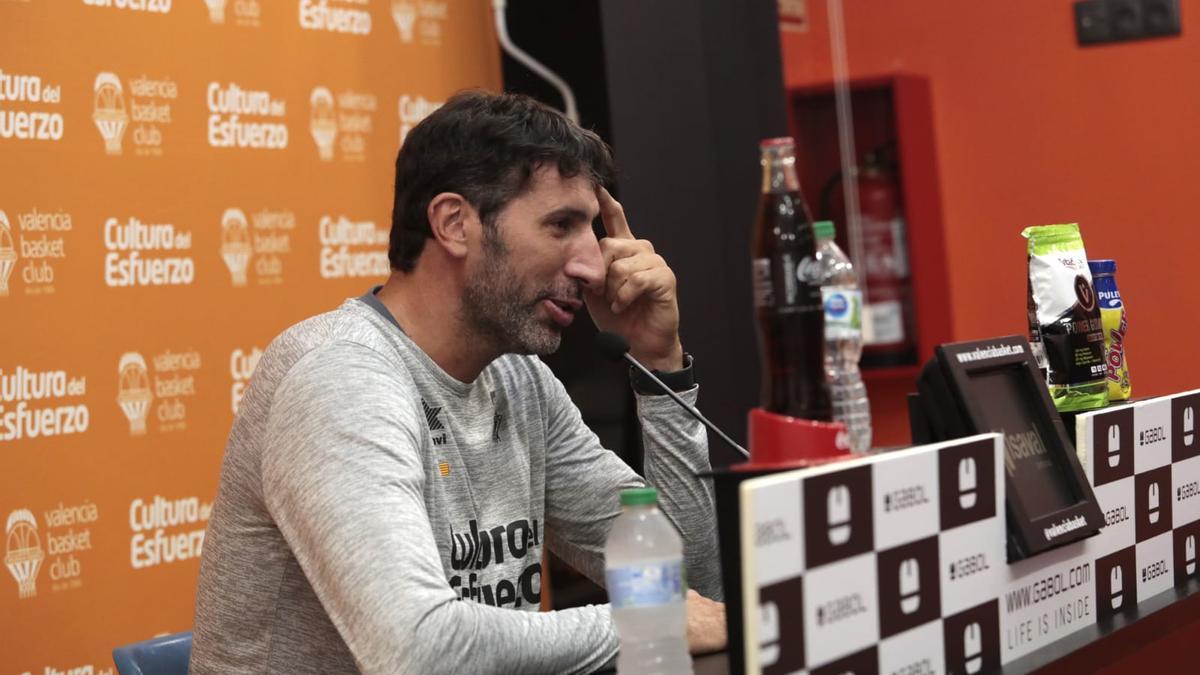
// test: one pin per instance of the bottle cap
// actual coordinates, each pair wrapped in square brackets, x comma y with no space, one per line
[823,229]
[1103,266]
[776,142]
[639,496]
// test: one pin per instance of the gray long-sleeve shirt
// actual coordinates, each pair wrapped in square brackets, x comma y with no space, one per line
[365,492]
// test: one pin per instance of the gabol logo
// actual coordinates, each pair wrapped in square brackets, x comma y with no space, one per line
[342,123]
[336,16]
[966,482]
[23,553]
[146,254]
[28,108]
[413,109]
[838,514]
[241,118]
[151,6]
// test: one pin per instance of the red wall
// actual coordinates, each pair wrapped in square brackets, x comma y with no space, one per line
[1032,129]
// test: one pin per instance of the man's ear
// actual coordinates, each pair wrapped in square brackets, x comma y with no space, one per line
[448,215]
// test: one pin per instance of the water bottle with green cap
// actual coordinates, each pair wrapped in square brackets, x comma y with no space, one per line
[647,587]
[843,337]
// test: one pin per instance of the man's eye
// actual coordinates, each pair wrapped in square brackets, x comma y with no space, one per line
[561,224]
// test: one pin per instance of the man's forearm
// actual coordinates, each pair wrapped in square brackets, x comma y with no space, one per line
[676,450]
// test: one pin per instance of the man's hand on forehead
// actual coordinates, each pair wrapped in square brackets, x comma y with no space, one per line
[638,299]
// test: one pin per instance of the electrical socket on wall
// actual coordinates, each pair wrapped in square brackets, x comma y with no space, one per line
[1103,21]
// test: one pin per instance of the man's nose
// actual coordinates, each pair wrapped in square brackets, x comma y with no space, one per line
[586,262]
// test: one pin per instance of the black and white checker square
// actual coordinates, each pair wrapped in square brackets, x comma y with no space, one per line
[1116,583]
[971,640]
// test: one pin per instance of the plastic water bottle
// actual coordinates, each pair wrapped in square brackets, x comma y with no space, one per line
[646,586]
[843,337]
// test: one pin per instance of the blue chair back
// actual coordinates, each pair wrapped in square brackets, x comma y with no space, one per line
[166,655]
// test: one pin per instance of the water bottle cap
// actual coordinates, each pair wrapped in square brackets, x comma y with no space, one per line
[639,496]
[824,229]
[779,141]
[1103,266]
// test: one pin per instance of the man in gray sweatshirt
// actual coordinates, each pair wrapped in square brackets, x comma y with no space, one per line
[399,464]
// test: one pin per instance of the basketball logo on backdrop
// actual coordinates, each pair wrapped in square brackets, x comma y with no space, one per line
[8,253]
[412,110]
[133,391]
[323,121]
[144,115]
[235,244]
[170,387]
[216,10]
[23,553]
[256,244]
[422,20]
[404,13]
[108,111]
[40,237]
[247,13]
[341,123]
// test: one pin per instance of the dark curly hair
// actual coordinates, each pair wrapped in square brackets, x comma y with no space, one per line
[485,147]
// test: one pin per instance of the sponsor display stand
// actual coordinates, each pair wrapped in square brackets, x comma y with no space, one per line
[896,562]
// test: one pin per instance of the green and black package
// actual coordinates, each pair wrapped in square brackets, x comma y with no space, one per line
[1064,318]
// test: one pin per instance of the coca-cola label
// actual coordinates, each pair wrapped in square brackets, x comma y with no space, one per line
[764,291]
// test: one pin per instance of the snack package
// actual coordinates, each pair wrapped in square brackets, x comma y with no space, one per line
[1116,323]
[1064,318]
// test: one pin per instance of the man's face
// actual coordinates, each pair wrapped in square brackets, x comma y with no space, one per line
[526,282]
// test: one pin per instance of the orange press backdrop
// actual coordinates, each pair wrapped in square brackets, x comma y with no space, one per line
[179,181]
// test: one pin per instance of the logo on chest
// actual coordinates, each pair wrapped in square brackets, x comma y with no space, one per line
[507,546]
[437,430]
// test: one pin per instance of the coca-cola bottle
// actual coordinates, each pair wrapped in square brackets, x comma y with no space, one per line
[787,292]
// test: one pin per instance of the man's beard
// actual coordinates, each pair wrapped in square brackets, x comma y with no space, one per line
[497,309]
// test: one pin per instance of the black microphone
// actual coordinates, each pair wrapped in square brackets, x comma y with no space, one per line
[616,348]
